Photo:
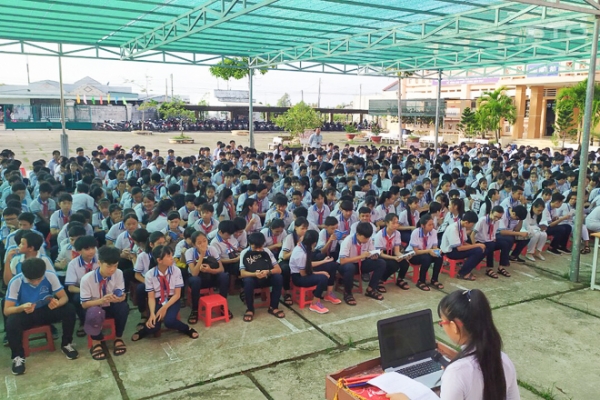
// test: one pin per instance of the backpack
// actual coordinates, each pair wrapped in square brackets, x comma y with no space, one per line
[257,261]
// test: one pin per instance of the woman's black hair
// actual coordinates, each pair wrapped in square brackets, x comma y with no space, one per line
[386,194]
[471,311]
[300,221]
[378,181]
[488,200]
[537,203]
[224,195]
[460,204]
[249,202]
[409,214]
[163,207]
[310,238]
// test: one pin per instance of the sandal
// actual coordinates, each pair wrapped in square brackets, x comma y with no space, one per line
[467,277]
[192,333]
[374,294]
[438,285]
[243,297]
[278,314]
[287,300]
[586,250]
[349,299]
[228,311]
[503,272]
[248,316]
[402,284]
[80,332]
[142,324]
[193,318]
[491,274]
[139,335]
[381,288]
[119,347]
[423,286]
[97,352]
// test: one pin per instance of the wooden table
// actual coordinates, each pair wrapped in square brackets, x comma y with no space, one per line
[593,284]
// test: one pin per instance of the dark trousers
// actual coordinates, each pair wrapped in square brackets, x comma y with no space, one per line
[100,238]
[393,266]
[206,280]
[560,235]
[318,280]
[285,272]
[510,240]
[75,299]
[348,270]
[426,260]
[331,268]
[17,323]
[405,236]
[170,321]
[491,247]
[471,259]
[118,312]
[274,281]
[141,296]
[128,274]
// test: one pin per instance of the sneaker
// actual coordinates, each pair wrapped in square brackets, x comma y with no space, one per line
[554,251]
[318,308]
[54,331]
[70,352]
[516,259]
[530,257]
[541,257]
[330,297]
[18,366]
[565,250]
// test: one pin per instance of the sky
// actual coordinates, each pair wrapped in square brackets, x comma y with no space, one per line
[194,81]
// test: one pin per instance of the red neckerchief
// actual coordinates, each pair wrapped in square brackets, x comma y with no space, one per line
[389,241]
[74,254]
[490,227]
[358,249]
[460,232]
[320,212]
[424,238]
[274,237]
[88,266]
[230,211]
[164,287]
[206,229]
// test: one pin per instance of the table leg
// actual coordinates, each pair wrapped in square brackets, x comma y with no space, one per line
[595,266]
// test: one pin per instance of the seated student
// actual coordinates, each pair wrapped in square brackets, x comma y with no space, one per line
[259,269]
[145,208]
[423,241]
[301,212]
[560,233]
[158,220]
[536,227]
[102,293]
[328,243]
[29,247]
[568,209]
[35,297]
[25,221]
[319,211]
[388,241]
[355,257]
[75,217]
[206,223]
[196,214]
[385,205]
[42,208]
[187,208]
[408,219]
[364,215]
[456,208]
[274,236]
[227,247]
[474,373]
[143,262]
[240,233]
[173,232]
[455,246]
[82,200]
[289,243]
[279,211]
[163,284]
[77,268]
[67,251]
[115,216]
[205,271]
[510,231]
[126,244]
[250,214]
[346,217]
[485,232]
[306,273]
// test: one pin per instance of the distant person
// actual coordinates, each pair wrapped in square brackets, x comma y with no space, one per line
[314,141]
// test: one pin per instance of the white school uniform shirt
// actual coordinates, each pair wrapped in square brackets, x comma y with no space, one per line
[115,231]
[77,269]
[317,216]
[485,229]
[449,218]
[184,213]
[36,207]
[97,219]
[354,225]
[344,224]
[58,219]
[274,214]
[124,241]
[192,255]
[381,211]
[403,218]
[174,278]
[17,261]
[180,250]
[263,205]
[224,247]
[91,289]
[463,380]
[83,201]
[566,209]
[549,214]
[454,236]
[64,232]
[201,226]
[271,239]
[419,240]
[271,257]
[351,247]
[253,222]
[142,263]
[386,242]
[323,238]
[298,258]
[507,223]
[158,224]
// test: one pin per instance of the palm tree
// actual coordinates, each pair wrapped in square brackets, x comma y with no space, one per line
[494,107]
[574,97]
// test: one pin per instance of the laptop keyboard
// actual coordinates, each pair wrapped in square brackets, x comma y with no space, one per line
[418,370]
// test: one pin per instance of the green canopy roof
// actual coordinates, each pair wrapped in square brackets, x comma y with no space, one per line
[343,36]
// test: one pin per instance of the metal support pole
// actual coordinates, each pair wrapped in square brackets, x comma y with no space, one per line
[400,141]
[583,157]
[64,139]
[437,113]
[250,110]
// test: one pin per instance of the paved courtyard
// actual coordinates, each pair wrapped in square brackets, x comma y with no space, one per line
[549,327]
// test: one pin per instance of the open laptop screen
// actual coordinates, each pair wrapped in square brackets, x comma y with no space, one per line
[406,338]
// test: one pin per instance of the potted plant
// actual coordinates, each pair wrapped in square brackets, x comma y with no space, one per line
[412,140]
[376,134]
[350,131]
[181,139]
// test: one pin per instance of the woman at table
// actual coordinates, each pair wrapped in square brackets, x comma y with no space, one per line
[480,370]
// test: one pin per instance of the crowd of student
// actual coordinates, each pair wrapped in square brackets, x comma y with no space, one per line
[79,232]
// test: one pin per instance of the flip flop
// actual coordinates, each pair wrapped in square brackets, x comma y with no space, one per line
[97,352]
[119,347]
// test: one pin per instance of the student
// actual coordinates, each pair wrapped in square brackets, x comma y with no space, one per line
[35,297]
[290,242]
[29,247]
[492,199]
[206,223]
[82,200]
[77,268]
[356,257]
[163,284]
[385,206]
[225,209]
[250,214]
[388,241]
[227,246]
[274,236]
[328,243]
[103,296]
[318,212]
[536,228]
[158,220]
[407,219]
[259,269]
[174,231]
[424,242]
[510,231]
[346,217]
[43,207]
[485,232]
[456,208]
[560,233]
[279,211]
[115,216]
[455,246]
[480,370]
[126,244]
[568,209]
[143,263]
[205,270]
[307,273]
[364,215]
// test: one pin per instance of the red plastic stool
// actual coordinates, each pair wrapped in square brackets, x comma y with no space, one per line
[302,296]
[414,273]
[206,306]
[265,296]
[392,278]
[188,294]
[45,329]
[132,292]
[109,323]
[450,267]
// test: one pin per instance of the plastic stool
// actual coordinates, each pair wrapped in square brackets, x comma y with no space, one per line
[392,278]
[265,296]
[451,268]
[45,329]
[109,323]
[414,273]
[206,305]
[188,294]
[302,296]
[132,292]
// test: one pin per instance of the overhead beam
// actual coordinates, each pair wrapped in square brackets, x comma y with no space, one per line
[594,10]
[197,20]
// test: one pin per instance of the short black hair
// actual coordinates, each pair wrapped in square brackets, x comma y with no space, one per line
[27,216]
[227,227]
[33,240]
[33,268]
[277,223]
[159,252]
[520,211]
[470,216]
[109,255]
[364,229]
[76,230]
[85,242]
[256,239]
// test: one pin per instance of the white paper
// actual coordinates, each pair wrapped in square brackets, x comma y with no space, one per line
[373,252]
[406,255]
[393,382]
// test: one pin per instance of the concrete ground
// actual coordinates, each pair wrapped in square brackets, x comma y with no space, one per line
[549,327]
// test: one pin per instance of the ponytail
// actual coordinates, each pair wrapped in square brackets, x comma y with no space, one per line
[488,200]
[310,239]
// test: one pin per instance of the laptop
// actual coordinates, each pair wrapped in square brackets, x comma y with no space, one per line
[406,344]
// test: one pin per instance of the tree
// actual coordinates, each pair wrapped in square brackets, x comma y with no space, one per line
[469,123]
[284,101]
[564,124]
[574,97]
[298,118]
[494,107]
[175,109]
[236,68]
[202,115]
[146,105]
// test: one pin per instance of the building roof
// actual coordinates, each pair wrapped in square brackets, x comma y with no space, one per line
[51,90]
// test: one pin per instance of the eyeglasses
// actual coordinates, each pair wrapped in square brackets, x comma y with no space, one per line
[442,323]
